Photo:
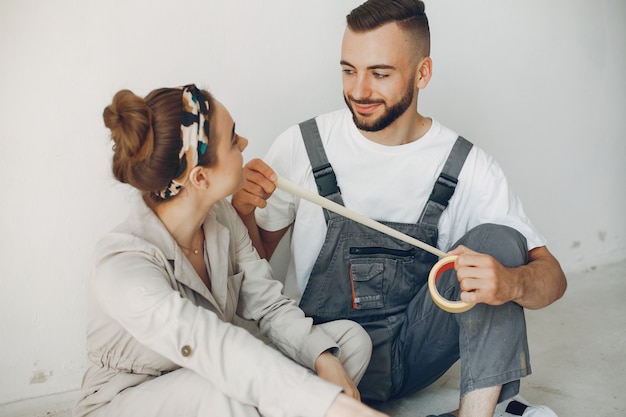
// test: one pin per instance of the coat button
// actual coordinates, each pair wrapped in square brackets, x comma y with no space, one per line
[186,351]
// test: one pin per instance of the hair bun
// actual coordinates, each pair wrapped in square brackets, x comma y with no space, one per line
[129,119]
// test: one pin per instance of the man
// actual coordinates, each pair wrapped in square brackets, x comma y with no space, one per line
[383,159]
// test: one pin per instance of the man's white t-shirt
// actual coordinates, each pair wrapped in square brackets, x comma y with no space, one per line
[385,183]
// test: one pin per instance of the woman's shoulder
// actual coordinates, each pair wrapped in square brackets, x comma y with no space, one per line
[141,235]
[112,245]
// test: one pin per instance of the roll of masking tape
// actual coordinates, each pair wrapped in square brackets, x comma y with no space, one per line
[439,268]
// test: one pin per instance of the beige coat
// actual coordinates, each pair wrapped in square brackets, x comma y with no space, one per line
[150,314]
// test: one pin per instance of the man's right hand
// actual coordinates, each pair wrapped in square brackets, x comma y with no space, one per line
[258,187]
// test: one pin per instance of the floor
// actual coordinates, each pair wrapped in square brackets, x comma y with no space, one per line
[578,353]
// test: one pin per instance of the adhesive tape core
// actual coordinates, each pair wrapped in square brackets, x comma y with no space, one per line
[439,268]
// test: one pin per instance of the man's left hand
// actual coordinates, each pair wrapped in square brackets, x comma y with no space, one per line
[482,278]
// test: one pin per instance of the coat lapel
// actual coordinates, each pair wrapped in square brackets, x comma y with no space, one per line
[146,225]
[216,240]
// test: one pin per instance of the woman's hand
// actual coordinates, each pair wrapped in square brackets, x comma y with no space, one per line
[329,368]
[345,406]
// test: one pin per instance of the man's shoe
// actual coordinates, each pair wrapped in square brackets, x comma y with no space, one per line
[518,406]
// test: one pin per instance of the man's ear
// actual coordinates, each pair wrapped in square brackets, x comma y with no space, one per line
[199,177]
[423,73]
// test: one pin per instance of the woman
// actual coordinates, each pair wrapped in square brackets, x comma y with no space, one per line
[168,282]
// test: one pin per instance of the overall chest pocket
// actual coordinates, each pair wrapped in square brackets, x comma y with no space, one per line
[376,276]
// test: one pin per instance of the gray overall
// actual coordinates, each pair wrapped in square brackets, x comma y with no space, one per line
[380,282]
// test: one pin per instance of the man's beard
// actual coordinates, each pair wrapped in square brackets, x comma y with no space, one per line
[391,114]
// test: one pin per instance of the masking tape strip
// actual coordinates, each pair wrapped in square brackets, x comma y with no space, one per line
[450,306]
[294,189]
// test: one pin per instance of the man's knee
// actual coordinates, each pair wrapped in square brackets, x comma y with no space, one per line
[504,243]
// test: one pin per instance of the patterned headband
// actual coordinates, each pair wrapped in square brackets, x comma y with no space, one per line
[193,135]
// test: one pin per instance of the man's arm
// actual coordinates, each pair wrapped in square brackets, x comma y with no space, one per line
[258,187]
[535,285]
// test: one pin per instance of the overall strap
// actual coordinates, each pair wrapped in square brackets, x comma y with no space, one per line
[446,182]
[322,170]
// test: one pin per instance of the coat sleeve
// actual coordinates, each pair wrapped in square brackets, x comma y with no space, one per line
[134,290]
[261,300]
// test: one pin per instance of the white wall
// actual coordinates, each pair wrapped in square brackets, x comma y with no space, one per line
[538,84]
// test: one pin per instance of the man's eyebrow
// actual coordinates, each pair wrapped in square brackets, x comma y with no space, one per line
[371,67]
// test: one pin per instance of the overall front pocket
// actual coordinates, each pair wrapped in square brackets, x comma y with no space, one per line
[373,272]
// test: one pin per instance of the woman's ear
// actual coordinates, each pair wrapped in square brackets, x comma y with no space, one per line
[199,177]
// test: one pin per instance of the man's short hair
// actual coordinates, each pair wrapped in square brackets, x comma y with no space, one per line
[408,14]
